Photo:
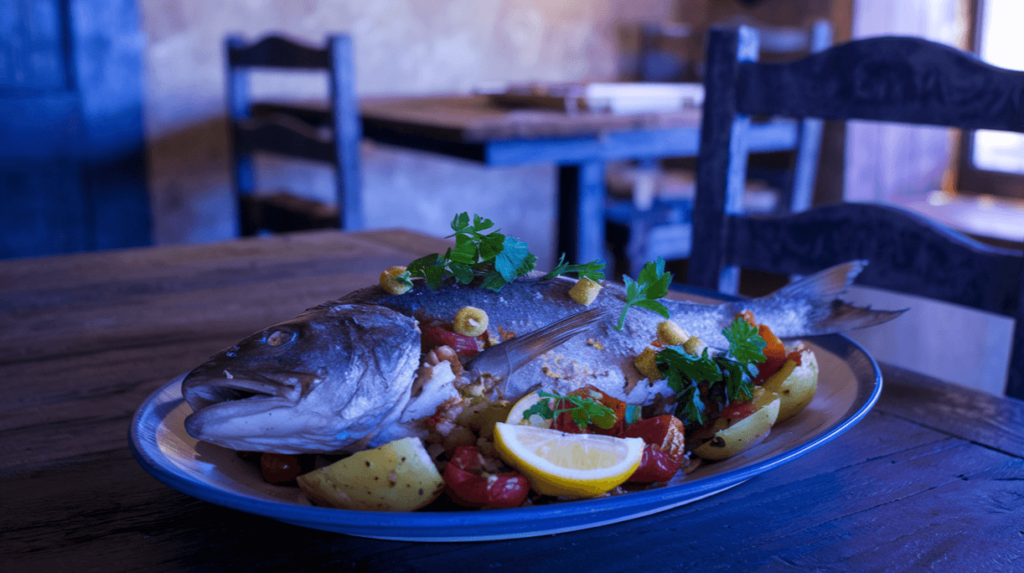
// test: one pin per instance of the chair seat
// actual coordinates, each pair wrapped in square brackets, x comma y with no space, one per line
[651,211]
[282,212]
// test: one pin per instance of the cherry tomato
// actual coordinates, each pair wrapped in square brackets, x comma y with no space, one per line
[280,468]
[655,465]
[737,410]
[664,432]
[774,353]
[437,335]
[467,484]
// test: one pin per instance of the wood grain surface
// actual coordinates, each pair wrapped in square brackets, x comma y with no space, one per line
[930,480]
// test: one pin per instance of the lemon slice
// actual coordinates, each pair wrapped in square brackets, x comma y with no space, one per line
[515,415]
[572,465]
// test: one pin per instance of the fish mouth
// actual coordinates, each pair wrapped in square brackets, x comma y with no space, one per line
[202,390]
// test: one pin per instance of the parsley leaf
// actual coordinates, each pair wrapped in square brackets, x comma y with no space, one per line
[541,408]
[404,279]
[692,413]
[737,388]
[746,346]
[591,270]
[676,363]
[651,284]
[514,259]
[584,411]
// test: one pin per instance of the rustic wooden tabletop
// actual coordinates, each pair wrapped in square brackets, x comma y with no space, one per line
[931,479]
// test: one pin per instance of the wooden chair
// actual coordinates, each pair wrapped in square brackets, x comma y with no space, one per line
[642,230]
[905,80]
[332,137]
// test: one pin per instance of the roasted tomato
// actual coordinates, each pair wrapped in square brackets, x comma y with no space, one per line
[439,335]
[656,465]
[774,354]
[666,432]
[737,410]
[467,484]
[283,468]
[664,450]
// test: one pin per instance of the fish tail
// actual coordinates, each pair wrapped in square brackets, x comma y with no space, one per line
[828,284]
[817,298]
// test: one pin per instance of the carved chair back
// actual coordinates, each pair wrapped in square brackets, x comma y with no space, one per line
[640,232]
[330,135]
[893,79]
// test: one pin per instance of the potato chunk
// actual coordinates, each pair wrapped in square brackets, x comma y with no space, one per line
[398,476]
[744,434]
[795,385]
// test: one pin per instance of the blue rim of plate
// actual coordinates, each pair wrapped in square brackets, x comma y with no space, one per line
[487,525]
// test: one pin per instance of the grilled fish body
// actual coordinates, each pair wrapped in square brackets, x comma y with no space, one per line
[339,377]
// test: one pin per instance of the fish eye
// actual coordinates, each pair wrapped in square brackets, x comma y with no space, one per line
[279,337]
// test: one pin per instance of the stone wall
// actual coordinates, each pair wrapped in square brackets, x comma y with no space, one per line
[401,47]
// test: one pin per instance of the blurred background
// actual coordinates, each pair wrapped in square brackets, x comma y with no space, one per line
[113,127]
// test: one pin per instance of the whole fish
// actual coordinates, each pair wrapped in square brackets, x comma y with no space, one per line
[340,376]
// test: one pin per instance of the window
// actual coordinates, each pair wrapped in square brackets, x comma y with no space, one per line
[992,162]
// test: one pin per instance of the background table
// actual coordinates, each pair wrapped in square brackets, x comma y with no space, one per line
[470,127]
[932,477]
[579,143]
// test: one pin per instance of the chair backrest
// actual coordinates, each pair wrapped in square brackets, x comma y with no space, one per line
[796,191]
[906,80]
[296,136]
[797,194]
[795,183]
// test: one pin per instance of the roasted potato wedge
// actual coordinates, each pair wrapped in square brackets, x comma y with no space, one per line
[744,434]
[794,385]
[398,476]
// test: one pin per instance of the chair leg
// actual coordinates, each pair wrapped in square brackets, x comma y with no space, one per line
[248,212]
[581,232]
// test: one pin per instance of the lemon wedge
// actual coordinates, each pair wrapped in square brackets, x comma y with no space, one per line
[571,465]
[515,415]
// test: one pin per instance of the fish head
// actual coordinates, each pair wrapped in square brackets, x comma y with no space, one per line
[324,381]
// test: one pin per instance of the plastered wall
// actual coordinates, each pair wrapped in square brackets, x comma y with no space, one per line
[401,47]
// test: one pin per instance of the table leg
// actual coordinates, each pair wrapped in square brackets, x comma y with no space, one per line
[581,194]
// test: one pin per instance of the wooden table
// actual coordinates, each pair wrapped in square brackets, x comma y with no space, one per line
[472,128]
[931,478]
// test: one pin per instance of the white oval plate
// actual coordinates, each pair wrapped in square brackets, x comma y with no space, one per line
[849,384]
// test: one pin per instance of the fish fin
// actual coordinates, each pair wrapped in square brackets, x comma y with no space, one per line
[502,360]
[819,294]
[843,317]
[826,285]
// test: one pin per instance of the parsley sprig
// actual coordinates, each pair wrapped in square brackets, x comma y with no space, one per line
[651,284]
[723,379]
[483,251]
[495,257]
[584,411]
